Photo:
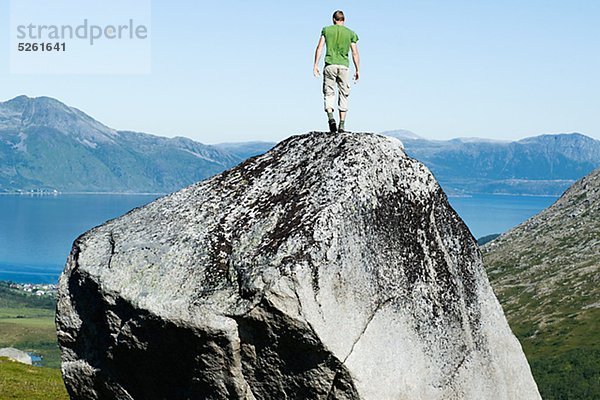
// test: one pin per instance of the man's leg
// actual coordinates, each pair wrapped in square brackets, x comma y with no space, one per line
[342,121]
[329,95]
[343,82]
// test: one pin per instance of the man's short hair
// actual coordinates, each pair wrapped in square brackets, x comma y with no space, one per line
[339,16]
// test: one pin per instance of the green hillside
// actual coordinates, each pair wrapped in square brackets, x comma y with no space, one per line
[46,145]
[546,274]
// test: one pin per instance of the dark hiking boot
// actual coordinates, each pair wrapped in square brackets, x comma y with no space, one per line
[332,126]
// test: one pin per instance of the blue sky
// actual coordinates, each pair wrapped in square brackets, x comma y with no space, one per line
[242,70]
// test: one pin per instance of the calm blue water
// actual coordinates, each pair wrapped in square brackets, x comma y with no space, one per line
[36,232]
[487,214]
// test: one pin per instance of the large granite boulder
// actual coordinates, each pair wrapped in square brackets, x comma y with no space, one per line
[331,267]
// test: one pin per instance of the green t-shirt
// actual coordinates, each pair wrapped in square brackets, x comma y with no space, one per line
[338,39]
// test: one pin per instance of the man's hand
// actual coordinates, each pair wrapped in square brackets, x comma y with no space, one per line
[316,72]
[356,76]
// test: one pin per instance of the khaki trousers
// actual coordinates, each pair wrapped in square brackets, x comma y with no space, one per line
[340,75]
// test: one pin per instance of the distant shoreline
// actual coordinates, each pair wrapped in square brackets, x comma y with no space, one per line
[459,196]
[39,194]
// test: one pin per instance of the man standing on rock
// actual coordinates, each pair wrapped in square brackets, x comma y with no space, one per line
[339,40]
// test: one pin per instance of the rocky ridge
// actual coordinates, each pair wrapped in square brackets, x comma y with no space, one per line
[547,269]
[556,248]
[546,273]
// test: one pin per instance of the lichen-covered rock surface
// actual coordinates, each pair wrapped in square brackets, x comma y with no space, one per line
[331,267]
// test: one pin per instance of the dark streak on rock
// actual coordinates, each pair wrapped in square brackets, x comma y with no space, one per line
[111,242]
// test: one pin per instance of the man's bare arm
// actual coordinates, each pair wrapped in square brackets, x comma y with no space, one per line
[318,52]
[356,60]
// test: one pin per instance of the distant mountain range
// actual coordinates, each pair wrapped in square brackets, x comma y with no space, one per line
[540,165]
[46,145]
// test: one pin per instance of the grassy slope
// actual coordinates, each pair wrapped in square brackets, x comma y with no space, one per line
[20,381]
